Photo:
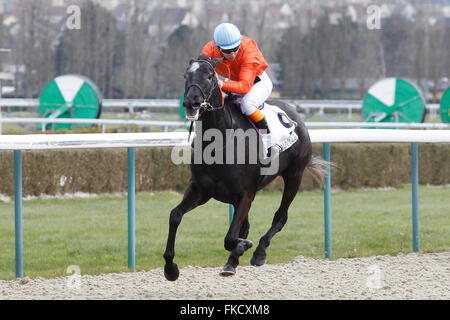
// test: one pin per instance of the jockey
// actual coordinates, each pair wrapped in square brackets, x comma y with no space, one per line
[243,68]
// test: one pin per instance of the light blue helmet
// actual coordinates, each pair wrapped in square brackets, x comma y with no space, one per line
[227,36]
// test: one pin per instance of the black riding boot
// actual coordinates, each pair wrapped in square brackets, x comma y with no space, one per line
[262,124]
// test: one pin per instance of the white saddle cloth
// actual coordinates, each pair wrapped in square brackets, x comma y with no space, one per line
[282,134]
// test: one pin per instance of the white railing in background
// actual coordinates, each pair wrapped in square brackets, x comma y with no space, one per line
[307,105]
[153,139]
[165,125]
[92,140]
[106,103]
[310,107]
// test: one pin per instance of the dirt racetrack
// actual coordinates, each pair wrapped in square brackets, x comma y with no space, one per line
[406,276]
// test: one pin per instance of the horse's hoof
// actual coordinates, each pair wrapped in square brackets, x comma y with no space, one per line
[228,271]
[247,243]
[171,272]
[258,261]
[242,246]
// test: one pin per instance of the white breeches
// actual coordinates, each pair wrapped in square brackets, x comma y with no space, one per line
[257,94]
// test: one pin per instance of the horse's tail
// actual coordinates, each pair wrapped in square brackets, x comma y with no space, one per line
[318,167]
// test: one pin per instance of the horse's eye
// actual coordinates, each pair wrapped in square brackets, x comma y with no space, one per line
[210,77]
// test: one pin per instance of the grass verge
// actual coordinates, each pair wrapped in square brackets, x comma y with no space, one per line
[92,232]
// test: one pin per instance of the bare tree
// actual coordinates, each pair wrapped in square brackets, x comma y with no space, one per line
[291,55]
[436,56]
[148,58]
[137,51]
[28,43]
[184,43]
[3,34]
[326,50]
[345,53]
[397,38]
[92,50]
[420,53]
[369,61]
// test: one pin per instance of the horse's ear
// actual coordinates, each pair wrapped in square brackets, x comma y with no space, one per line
[216,61]
[191,61]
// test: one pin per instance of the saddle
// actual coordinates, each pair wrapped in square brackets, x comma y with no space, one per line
[282,135]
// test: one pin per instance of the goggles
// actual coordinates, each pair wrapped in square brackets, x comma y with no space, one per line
[229,51]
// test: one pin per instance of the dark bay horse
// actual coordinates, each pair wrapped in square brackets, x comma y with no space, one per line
[235,183]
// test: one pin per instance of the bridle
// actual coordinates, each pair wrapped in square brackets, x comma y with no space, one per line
[205,105]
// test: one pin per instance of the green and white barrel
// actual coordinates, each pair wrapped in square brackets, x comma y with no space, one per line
[445,106]
[70,96]
[393,100]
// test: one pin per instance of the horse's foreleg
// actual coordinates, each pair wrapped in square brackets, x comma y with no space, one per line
[192,198]
[235,240]
[242,245]
[291,185]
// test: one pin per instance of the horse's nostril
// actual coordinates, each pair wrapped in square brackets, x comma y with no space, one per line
[190,105]
[193,103]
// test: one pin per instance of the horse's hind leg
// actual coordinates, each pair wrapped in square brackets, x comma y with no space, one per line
[292,182]
[192,198]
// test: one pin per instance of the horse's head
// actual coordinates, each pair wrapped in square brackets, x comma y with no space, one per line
[201,87]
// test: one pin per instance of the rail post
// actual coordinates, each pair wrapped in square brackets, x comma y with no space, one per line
[230,213]
[327,202]
[18,212]
[415,195]
[131,210]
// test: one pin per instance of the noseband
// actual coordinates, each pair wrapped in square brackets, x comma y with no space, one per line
[205,105]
